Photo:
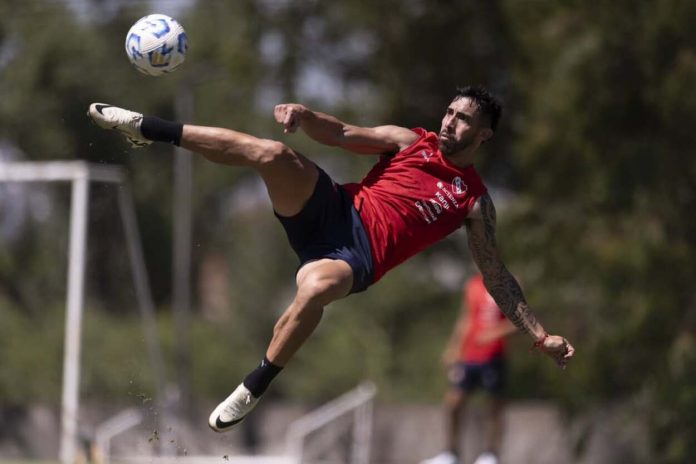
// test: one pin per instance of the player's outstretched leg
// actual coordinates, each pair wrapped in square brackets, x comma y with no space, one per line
[119,119]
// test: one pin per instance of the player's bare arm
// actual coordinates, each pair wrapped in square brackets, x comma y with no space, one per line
[501,284]
[329,130]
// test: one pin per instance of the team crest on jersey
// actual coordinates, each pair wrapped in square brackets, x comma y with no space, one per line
[459,187]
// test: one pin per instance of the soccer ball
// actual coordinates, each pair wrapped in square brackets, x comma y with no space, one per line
[156,44]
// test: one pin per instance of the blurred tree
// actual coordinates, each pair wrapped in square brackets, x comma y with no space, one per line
[594,145]
[609,193]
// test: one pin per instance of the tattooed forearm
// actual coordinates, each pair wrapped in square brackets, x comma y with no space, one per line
[501,284]
[508,295]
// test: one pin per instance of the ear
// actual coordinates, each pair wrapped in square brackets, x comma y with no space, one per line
[486,134]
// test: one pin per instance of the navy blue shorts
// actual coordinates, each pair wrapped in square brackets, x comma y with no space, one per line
[487,375]
[330,227]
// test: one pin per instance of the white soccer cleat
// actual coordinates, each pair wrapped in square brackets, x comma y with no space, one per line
[233,410]
[125,121]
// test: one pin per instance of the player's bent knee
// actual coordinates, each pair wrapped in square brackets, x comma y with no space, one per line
[272,152]
[317,291]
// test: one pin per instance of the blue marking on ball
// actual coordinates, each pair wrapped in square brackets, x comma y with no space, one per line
[160,58]
[160,27]
[182,45]
[133,46]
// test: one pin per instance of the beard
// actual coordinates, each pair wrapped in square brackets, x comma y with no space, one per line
[449,146]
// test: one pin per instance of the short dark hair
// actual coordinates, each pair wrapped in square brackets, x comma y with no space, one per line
[488,105]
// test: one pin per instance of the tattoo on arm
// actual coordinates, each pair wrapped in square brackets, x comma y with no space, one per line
[501,284]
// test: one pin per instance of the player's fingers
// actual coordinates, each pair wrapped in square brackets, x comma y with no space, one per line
[279,113]
[564,356]
[290,121]
[561,361]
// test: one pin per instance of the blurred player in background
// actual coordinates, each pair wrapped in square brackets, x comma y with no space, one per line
[475,359]
[422,188]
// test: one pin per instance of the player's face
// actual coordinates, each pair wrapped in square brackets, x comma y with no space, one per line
[460,127]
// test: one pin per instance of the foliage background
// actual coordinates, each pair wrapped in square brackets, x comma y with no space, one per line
[592,171]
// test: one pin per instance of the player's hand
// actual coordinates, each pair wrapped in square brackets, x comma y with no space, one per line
[289,114]
[557,348]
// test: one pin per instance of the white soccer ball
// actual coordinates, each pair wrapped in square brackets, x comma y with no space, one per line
[156,44]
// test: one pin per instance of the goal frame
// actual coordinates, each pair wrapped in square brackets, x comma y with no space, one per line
[80,174]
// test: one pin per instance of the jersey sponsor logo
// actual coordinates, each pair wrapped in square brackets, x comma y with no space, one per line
[459,187]
[448,194]
[436,206]
[441,198]
[425,211]
[441,201]
[426,155]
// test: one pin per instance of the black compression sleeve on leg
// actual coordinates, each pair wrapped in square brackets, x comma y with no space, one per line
[258,380]
[161,130]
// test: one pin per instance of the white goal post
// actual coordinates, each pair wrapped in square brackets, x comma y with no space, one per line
[80,174]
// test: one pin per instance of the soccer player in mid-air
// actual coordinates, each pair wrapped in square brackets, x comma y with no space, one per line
[423,187]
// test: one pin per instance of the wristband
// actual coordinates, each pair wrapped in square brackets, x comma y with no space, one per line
[539,343]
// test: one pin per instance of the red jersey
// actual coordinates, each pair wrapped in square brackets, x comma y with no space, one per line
[484,314]
[413,199]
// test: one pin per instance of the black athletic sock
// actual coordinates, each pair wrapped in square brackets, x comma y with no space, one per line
[260,378]
[161,130]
